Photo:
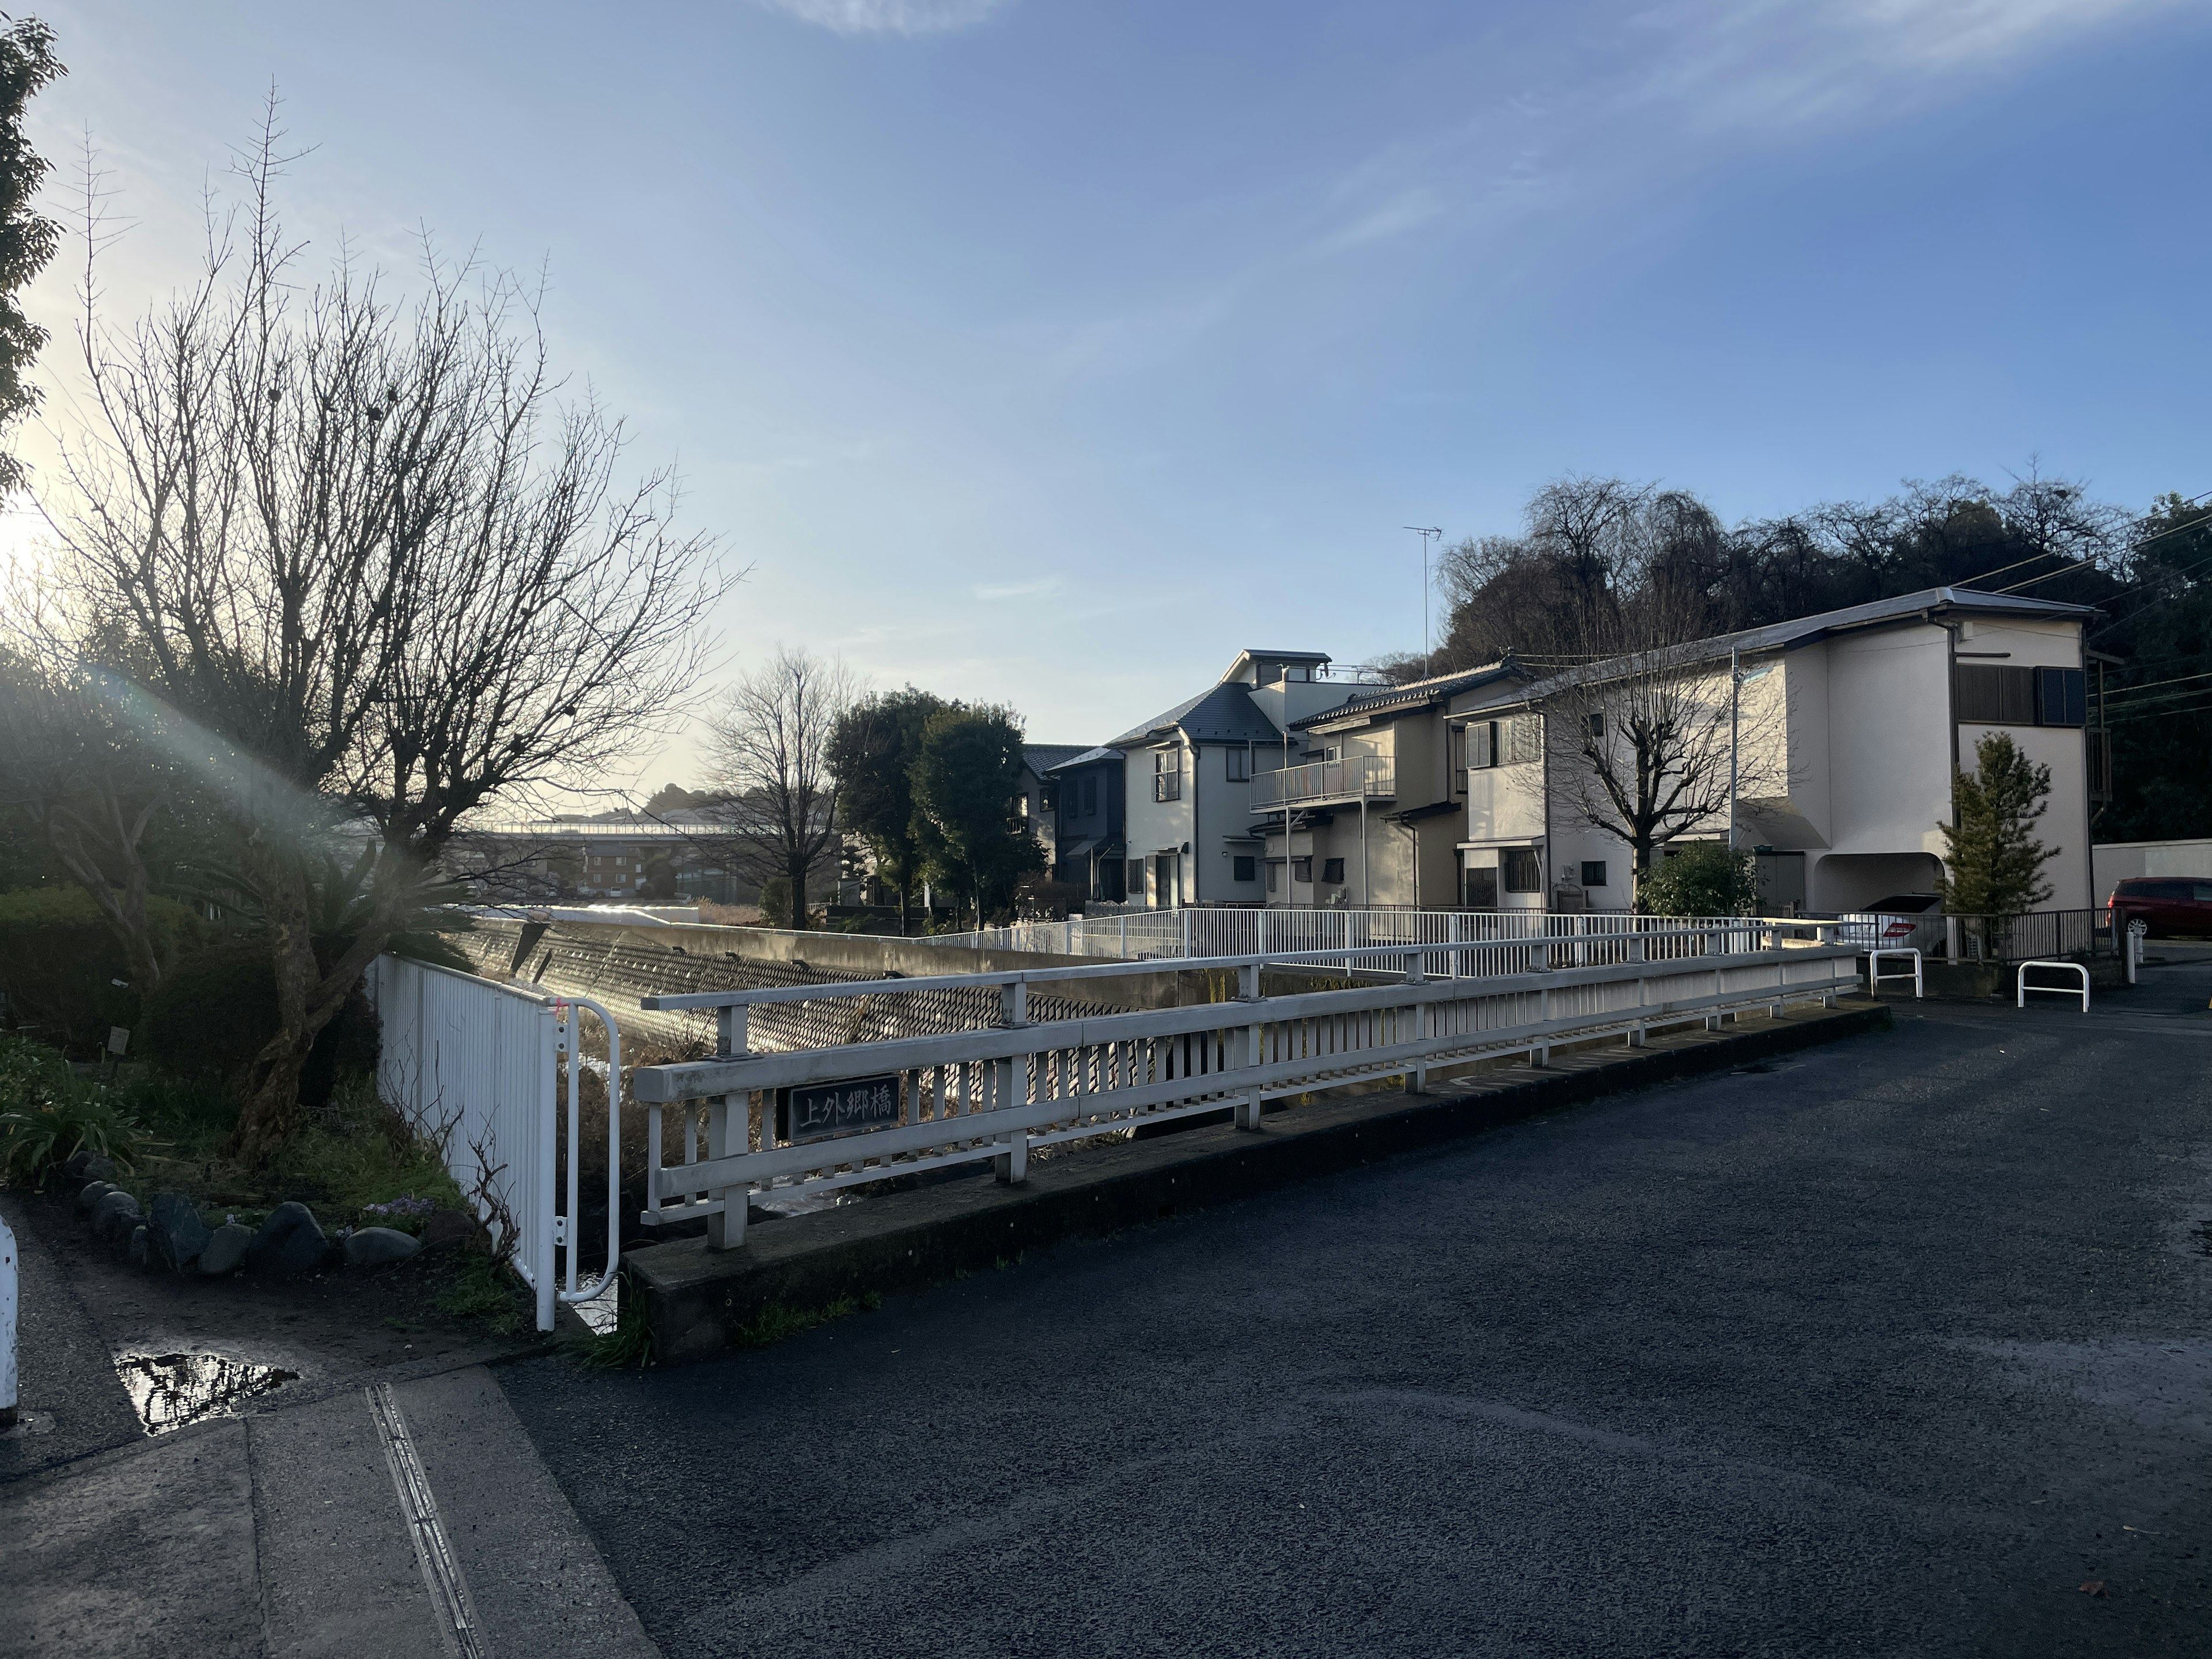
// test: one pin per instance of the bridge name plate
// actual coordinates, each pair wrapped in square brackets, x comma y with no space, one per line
[823,1111]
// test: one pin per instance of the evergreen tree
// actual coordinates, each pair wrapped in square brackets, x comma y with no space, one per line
[27,241]
[872,756]
[967,780]
[1994,862]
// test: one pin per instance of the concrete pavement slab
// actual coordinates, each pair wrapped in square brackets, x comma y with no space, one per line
[339,1570]
[146,1551]
[539,1587]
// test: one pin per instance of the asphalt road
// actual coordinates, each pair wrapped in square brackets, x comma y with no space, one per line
[1889,1350]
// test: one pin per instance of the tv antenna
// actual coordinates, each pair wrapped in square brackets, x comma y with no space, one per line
[1428,645]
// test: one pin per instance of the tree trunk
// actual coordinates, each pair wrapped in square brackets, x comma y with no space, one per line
[309,997]
[794,872]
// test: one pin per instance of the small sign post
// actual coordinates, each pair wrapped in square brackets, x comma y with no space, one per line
[823,1111]
[8,1282]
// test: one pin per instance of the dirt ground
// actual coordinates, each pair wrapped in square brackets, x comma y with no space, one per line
[328,1328]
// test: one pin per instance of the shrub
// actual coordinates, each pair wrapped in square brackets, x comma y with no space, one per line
[59,962]
[48,1113]
[217,1009]
[1700,878]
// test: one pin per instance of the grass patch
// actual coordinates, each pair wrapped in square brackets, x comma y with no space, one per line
[628,1347]
[482,1289]
[777,1323]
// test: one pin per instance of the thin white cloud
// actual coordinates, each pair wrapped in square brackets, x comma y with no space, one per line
[889,16]
[1020,590]
[1406,211]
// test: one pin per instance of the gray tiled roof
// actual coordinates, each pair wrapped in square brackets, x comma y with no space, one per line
[1221,713]
[1043,757]
[1805,630]
[1413,694]
[1089,757]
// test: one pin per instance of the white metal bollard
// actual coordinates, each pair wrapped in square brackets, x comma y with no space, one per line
[1874,975]
[2022,987]
[8,1300]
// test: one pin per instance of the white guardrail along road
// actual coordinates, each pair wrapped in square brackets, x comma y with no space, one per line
[809,1121]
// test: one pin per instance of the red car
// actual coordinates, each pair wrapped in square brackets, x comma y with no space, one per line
[2165,905]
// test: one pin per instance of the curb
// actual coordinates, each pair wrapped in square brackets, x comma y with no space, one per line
[698,1301]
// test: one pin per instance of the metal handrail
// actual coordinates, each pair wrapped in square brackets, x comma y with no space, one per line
[995,1092]
[1354,775]
[1408,956]
[567,1035]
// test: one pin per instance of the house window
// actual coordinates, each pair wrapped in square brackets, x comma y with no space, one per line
[1480,889]
[1991,695]
[1522,870]
[1593,872]
[1995,694]
[1167,774]
[1597,726]
[1274,873]
[2061,697]
[1240,766]
[1504,743]
[1456,758]
[1302,870]
[1243,868]
[1136,879]
[1331,869]
[1090,796]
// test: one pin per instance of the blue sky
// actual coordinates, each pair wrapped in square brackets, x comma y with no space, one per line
[1047,351]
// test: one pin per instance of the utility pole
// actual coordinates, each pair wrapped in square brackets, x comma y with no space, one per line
[1428,643]
[1736,702]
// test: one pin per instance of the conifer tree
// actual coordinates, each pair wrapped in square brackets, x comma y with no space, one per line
[1995,863]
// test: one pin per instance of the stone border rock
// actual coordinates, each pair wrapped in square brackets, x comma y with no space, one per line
[171,1234]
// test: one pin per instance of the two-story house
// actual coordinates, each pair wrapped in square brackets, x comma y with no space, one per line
[1847,730]
[1091,848]
[1373,809]
[1187,776]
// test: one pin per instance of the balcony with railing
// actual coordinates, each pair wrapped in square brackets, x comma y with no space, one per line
[1319,783]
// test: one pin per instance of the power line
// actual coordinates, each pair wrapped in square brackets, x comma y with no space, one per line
[2049,553]
[2129,691]
[2163,714]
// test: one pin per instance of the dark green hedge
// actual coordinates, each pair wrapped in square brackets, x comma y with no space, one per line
[59,963]
[215,1011]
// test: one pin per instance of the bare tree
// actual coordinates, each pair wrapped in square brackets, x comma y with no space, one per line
[369,571]
[1652,739]
[769,742]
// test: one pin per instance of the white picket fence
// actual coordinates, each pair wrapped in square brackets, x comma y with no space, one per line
[477,1067]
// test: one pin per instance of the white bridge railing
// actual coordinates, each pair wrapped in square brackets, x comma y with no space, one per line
[811,1120]
[1193,931]
[477,1067]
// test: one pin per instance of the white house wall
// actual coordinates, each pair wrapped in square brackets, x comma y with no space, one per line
[1223,815]
[2064,826]
[1889,710]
